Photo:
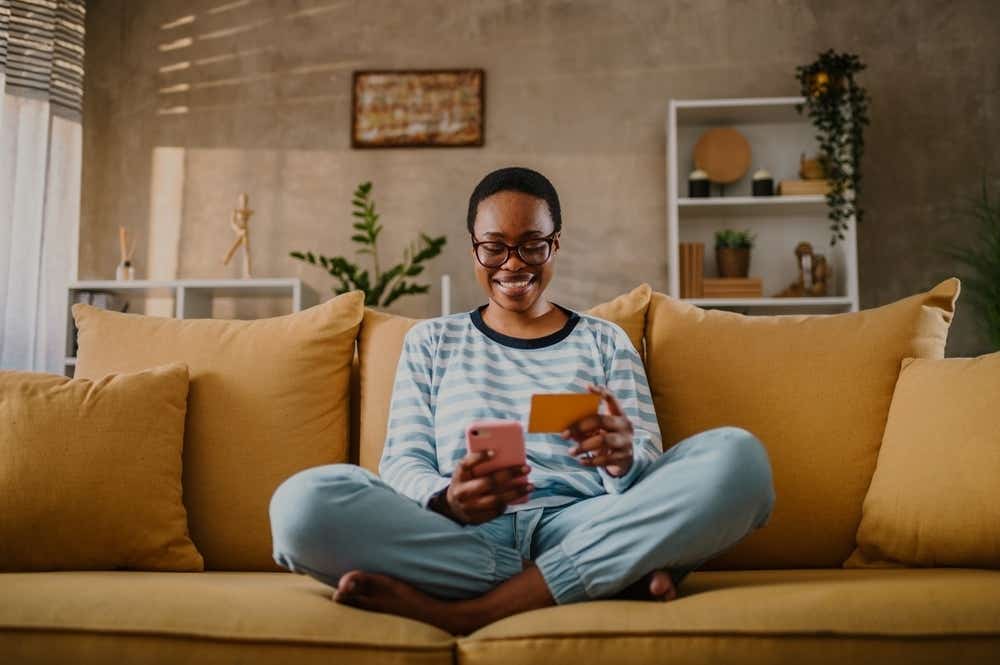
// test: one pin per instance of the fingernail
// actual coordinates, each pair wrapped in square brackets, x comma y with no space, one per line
[564,433]
[348,587]
[574,450]
[490,453]
[525,469]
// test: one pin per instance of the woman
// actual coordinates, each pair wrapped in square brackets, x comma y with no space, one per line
[608,513]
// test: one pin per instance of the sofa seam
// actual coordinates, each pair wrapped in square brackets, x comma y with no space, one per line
[733,633]
[236,640]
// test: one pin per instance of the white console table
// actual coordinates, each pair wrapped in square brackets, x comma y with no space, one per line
[190,298]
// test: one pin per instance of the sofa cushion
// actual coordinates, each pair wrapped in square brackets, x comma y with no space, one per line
[213,617]
[935,497]
[380,343]
[766,616]
[268,399]
[814,388]
[628,311]
[769,616]
[90,472]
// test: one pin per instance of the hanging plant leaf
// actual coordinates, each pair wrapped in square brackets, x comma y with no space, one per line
[838,108]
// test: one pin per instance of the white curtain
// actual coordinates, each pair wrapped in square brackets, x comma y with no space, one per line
[41,77]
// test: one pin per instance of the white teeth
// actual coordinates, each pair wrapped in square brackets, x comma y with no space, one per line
[514,284]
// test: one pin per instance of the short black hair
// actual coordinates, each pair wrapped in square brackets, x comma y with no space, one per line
[517,179]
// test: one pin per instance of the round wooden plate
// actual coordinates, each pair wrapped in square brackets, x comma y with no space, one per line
[723,153]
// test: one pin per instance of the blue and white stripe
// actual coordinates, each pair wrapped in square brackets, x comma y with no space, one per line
[450,372]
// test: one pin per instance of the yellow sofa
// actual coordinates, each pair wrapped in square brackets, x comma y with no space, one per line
[782,609]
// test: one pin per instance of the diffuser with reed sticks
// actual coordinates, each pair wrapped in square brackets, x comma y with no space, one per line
[126,269]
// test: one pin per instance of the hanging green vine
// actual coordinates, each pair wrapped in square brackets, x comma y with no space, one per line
[838,107]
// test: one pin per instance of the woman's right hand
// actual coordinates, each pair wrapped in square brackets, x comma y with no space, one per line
[476,498]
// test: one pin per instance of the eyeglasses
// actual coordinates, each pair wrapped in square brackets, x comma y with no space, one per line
[534,252]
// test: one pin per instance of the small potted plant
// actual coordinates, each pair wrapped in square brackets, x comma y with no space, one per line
[732,252]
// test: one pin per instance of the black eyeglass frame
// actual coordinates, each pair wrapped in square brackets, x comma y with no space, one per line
[549,239]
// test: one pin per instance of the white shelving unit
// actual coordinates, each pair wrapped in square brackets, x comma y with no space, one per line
[777,136]
[189,298]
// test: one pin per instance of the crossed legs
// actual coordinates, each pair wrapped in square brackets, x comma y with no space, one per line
[345,527]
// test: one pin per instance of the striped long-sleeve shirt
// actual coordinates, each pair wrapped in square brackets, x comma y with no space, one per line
[455,369]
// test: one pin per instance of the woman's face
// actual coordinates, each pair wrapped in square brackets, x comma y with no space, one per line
[512,218]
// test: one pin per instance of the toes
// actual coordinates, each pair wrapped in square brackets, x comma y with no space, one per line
[661,586]
[350,586]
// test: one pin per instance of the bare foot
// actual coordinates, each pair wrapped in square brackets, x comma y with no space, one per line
[656,586]
[381,593]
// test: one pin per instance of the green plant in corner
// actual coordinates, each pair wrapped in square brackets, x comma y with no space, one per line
[838,107]
[981,261]
[383,287]
[735,239]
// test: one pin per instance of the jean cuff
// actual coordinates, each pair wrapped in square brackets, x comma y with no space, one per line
[506,563]
[561,576]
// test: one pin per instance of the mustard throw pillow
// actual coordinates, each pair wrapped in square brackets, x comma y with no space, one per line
[628,311]
[935,497]
[268,398]
[381,341]
[90,472]
[814,388]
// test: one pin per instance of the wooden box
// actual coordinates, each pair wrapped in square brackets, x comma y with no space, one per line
[732,287]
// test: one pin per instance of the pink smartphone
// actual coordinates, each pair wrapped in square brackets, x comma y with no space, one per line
[504,437]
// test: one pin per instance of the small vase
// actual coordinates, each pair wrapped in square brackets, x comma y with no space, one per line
[125,271]
[732,261]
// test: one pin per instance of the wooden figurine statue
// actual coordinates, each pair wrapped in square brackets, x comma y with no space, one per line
[240,223]
[814,274]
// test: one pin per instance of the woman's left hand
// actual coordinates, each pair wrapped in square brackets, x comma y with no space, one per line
[605,438]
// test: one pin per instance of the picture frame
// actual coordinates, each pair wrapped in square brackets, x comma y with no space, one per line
[418,108]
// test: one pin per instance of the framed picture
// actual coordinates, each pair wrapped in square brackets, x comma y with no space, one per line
[417,108]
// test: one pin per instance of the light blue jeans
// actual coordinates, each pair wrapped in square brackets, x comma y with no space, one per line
[699,498]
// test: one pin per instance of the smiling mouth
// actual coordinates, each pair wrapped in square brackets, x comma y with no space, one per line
[514,286]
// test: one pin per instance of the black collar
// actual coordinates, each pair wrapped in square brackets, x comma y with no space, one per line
[521,342]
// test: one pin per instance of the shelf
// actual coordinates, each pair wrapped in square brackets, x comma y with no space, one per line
[731,206]
[769,302]
[257,287]
[738,111]
[778,135]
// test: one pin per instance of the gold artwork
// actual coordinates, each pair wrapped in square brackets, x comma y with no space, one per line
[442,108]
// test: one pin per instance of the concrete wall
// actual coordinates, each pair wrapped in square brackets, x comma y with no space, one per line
[577,90]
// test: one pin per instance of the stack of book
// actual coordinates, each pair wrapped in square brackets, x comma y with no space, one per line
[803,187]
[731,287]
[692,260]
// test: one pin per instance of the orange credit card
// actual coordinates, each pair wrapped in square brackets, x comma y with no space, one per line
[554,412]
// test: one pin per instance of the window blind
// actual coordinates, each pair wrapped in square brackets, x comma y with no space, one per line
[41,49]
